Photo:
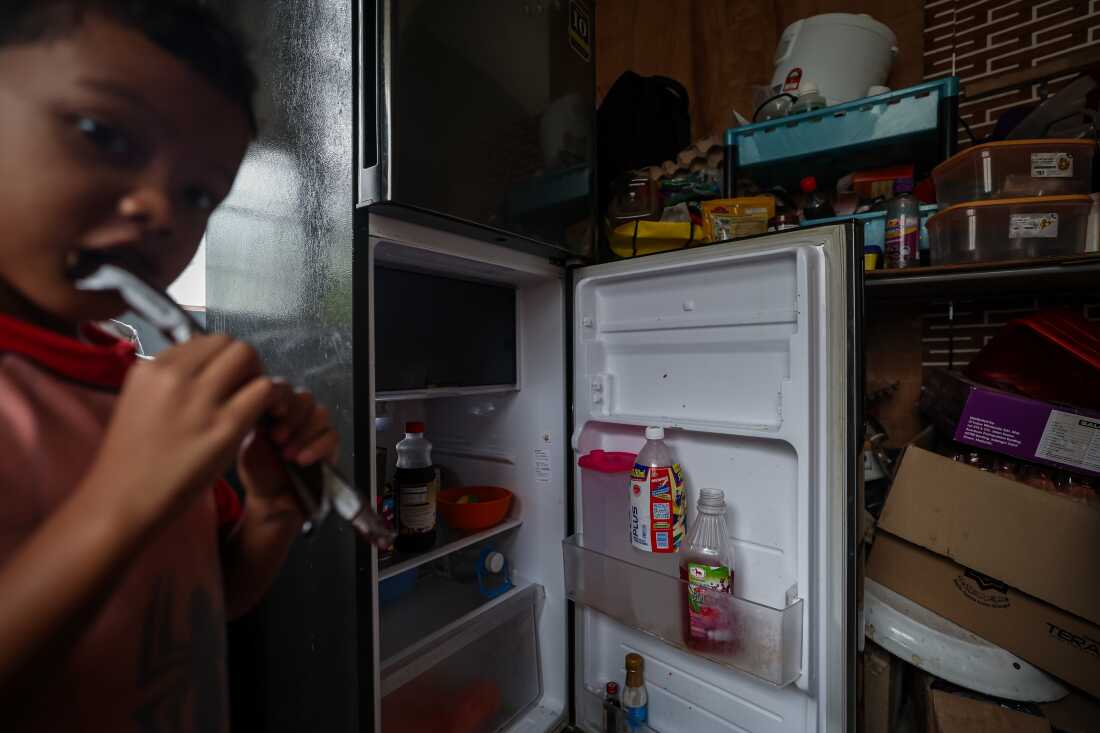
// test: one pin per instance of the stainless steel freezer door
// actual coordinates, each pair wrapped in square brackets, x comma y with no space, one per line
[480,113]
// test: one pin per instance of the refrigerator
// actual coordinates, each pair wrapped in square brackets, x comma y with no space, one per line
[520,356]
[747,354]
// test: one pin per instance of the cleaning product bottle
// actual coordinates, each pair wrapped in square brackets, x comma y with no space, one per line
[416,492]
[903,228]
[815,205]
[657,497]
[635,697]
[708,570]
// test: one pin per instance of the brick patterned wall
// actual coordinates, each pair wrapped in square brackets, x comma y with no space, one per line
[977,40]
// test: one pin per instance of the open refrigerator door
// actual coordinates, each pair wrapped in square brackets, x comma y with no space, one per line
[748,355]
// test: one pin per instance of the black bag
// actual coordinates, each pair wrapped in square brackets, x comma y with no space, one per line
[642,121]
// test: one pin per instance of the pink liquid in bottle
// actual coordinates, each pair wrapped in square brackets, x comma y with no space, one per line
[708,573]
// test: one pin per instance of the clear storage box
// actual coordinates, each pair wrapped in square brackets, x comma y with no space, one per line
[1010,229]
[1015,169]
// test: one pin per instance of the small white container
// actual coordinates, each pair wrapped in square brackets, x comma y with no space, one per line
[1015,169]
[1009,229]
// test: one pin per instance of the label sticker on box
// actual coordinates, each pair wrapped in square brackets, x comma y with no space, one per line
[1033,226]
[1072,440]
[1052,165]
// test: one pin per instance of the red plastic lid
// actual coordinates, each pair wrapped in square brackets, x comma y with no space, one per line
[414,427]
[612,688]
[605,462]
[808,184]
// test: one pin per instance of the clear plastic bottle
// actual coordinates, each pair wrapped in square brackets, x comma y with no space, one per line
[416,491]
[708,570]
[657,497]
[635,697]
[903,228]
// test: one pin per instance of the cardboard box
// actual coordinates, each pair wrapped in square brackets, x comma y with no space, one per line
[1041,432]
[1015,565]
[882,679]
[958,714]
[1076,713]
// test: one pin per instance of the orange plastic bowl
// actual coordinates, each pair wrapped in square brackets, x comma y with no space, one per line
[490,508]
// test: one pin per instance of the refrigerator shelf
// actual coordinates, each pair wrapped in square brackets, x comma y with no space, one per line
[767,641]
[447,541]
[484,669]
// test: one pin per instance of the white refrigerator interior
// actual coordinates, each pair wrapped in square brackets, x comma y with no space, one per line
[740,352]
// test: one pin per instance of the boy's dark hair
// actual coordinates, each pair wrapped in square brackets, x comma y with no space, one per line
[187,29]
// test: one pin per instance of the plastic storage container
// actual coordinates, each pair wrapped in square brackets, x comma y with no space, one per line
[476,678]
[1015,169]
[605,480]
[1009,229]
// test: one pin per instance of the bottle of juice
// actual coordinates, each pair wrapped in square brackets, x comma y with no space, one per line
[657,497]
[416,491]
[708,570]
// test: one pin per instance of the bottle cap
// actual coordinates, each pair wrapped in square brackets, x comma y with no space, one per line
[807,87]
[712,501]
[634,662]
[903,185]
[414,427]
[494,562]
[808,184]
[612,688]
[655,432]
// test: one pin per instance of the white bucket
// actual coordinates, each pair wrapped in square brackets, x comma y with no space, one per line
[842,53]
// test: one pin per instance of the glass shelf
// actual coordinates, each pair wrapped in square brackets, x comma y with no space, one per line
[766,642]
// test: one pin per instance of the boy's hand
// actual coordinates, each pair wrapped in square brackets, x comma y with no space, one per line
[299,431]
[177,425]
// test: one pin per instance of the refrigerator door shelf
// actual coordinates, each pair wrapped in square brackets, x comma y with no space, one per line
[484,670]
[766,642]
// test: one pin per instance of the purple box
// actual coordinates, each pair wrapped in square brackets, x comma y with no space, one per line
[1057,435]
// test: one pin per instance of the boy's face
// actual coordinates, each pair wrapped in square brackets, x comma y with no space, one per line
[108,144]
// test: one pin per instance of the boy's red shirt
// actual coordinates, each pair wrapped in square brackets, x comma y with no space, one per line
[151,655]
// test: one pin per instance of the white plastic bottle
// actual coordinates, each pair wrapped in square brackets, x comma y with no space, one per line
[657,497]
[416,491]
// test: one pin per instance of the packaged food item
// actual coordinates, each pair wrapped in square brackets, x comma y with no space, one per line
[417,488]
[635,697]
[740,217]
[708,569]
[657,497]
[386,498]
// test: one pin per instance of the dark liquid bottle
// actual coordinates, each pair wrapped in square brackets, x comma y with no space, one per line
[416,492]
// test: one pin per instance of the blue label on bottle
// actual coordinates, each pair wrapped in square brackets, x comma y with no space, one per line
[636,717]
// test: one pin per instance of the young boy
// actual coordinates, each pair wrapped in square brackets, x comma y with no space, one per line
[122,124]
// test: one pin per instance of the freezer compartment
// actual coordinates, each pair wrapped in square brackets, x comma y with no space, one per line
[477,675]
[766,642]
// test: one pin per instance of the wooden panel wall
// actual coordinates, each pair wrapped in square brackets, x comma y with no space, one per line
[719,49]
